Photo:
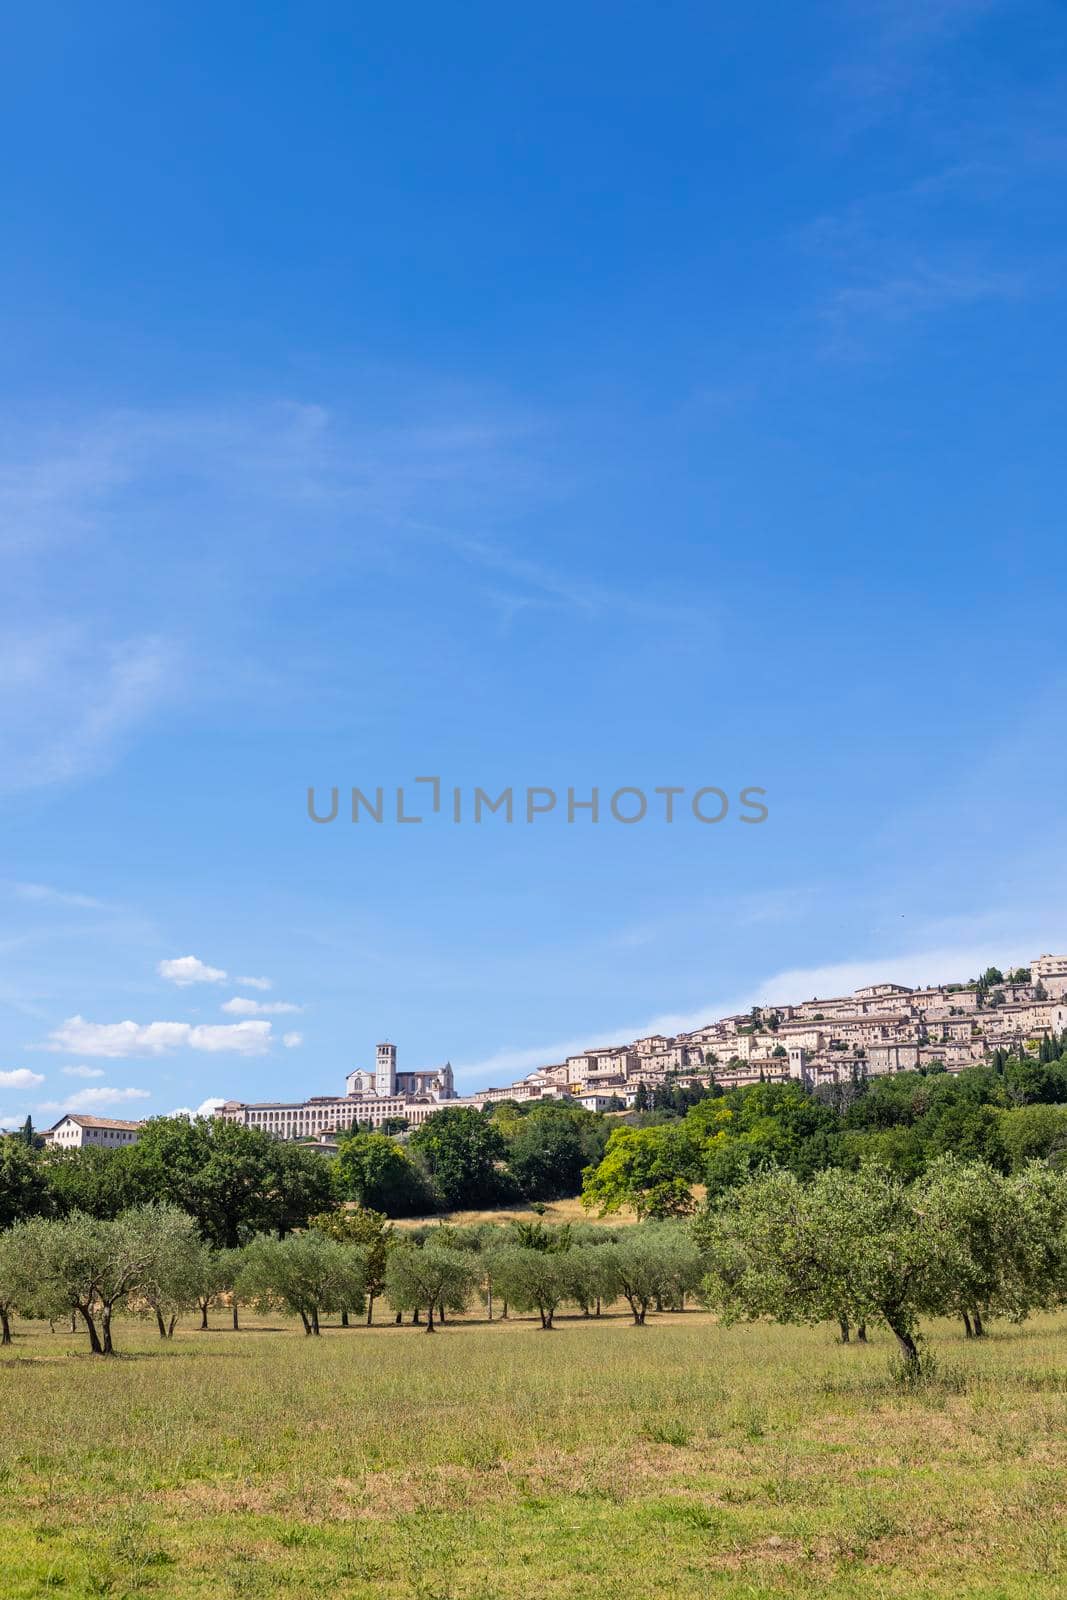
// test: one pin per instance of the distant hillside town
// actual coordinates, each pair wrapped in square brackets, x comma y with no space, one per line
[881,1028]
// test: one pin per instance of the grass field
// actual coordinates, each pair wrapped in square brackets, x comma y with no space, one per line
[502,1463]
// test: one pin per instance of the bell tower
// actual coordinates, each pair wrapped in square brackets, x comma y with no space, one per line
[385,1070]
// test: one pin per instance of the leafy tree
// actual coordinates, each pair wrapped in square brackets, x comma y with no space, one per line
[847,1246]
[98,1182]
[681,1260]
[641,1267]
[426,1278]
[223,1174]
[373,1233]
[379,1175]
[229,1263]
[898,1150]
[1040,1245]
[18,1274]
[531,1280]
[586,1272]
[215,1276]
[1034,1133]
[298,1186]
[91,1265]
[463,1153]
[539,1236]
[306,1272]
[644,1169]
[971,1132]
[552,1147]
[23,1184]
[174,1276]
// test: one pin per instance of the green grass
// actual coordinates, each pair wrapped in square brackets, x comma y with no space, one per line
[500,1463]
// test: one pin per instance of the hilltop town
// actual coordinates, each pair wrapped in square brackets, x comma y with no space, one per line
[878,1029]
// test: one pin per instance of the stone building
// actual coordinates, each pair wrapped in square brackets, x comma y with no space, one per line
[75,1131]
[880,1028]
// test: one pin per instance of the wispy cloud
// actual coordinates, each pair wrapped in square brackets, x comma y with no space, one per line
[889,46]
[254,983]
[44,894]
[918,292]
[68,702]
[82,1072]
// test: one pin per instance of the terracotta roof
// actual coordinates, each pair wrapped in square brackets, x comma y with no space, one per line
[93,1122]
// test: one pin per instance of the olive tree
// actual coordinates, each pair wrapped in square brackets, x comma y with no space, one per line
[214,1277]
[846,1246]
[586,1280]
[638,1268]
[531,1280]
[305,1272]
[427,1277]
[18,1275]
[91,1265]
[373,1233]
[174,1278]
[1040,1257]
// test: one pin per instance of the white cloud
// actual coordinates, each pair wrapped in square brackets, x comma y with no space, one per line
[115,1039]
[89,1099]
[20,1078]
[292,1041]
[246,1038]
[206,1108]
[82,1072]
[240,1006]
[184,970]
[254,983]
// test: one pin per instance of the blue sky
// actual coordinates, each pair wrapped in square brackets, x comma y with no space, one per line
[664,396]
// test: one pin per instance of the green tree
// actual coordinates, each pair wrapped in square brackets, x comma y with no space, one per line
[846,1246]
[647,1170]
[531,1280]
[173,1278]
[972,1209]
[223,1174]
[379,1175]
[1034,1133]
[215,1277]
[425,1278]
[91,1265]
[306,1272]
[96,1181]
[23,1183]
[298,1185]
[463,1153]
[18,1274]
[552,1147]
[641,1267]
[586,1272]
[373,1233]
